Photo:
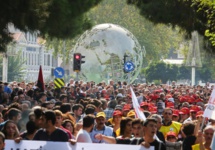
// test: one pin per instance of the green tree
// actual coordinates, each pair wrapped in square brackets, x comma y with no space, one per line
[160,71]
[184,73]
[190,15]
[157,39]
[15,67]
[61,19]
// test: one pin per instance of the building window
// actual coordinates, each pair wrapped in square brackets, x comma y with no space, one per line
[48,60]
[29,59]
[38,56]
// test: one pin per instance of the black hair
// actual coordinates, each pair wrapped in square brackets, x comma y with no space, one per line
[146,122]
[88,120]
[50,115]
[137,121]
[30,127]
[65,107]
[90,109]
[13,112]
[188,128]
[38,113]
[123,124]
[77,106]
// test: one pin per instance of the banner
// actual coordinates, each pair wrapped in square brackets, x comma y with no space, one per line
[136,106]
[210,109]
[44,145]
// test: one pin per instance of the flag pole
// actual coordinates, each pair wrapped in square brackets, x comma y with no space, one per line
[202,125]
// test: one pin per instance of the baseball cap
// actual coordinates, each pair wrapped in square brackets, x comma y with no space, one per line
[184,111]
[153,110]
[131,113]
[170,104]
[199,113]
[126,107]
[100,114]
[194,108]
[171,133]
[175,112]
[144,104]
[117,113]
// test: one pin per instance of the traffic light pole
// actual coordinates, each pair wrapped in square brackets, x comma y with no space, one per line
[77,76]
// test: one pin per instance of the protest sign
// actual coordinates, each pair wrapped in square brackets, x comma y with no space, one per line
[210,109]
[45,145]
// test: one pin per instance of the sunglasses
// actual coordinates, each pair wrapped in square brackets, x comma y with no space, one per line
[166,113]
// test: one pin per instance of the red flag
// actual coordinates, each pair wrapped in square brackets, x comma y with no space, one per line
[40,82]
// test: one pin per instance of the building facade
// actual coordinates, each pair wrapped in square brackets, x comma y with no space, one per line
[34,54]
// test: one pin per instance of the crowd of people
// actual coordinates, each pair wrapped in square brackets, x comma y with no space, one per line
[103,113]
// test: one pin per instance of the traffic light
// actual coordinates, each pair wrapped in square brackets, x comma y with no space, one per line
[77,61]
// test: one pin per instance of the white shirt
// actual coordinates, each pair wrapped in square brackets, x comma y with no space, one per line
[83,136]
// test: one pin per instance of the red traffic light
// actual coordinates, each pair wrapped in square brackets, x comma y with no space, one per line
[77,56]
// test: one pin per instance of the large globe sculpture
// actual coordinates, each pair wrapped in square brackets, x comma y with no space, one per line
[105,47]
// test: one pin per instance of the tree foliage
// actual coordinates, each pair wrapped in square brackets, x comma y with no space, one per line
[190,15]
[164,72]
[61,19]
[157,39]
[15,67]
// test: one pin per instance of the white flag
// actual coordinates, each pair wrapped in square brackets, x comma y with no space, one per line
[210,109]
[136,106]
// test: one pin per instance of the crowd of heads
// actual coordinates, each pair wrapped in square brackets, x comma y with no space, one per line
[82,104]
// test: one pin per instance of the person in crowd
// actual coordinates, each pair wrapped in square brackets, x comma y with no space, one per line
[171,141]
[149,129]
[175,115]
[190,130]
[115,122]
[63,98]
[100,128]
[159,134]
[110,109]
[193,110]
[184,114]
[4,97]
[205,140]
[168,124]
[2,141]
[83,134]
[137,128]
[14,115]
[125,128]
[30,131]
[77,110]
[59,121]
[49,132]
[10,130]
[69,125]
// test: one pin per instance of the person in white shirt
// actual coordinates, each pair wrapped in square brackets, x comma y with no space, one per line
[83,134]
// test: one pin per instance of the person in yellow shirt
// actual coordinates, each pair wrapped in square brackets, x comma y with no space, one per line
[168,124]
[206,142]
[115,122]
